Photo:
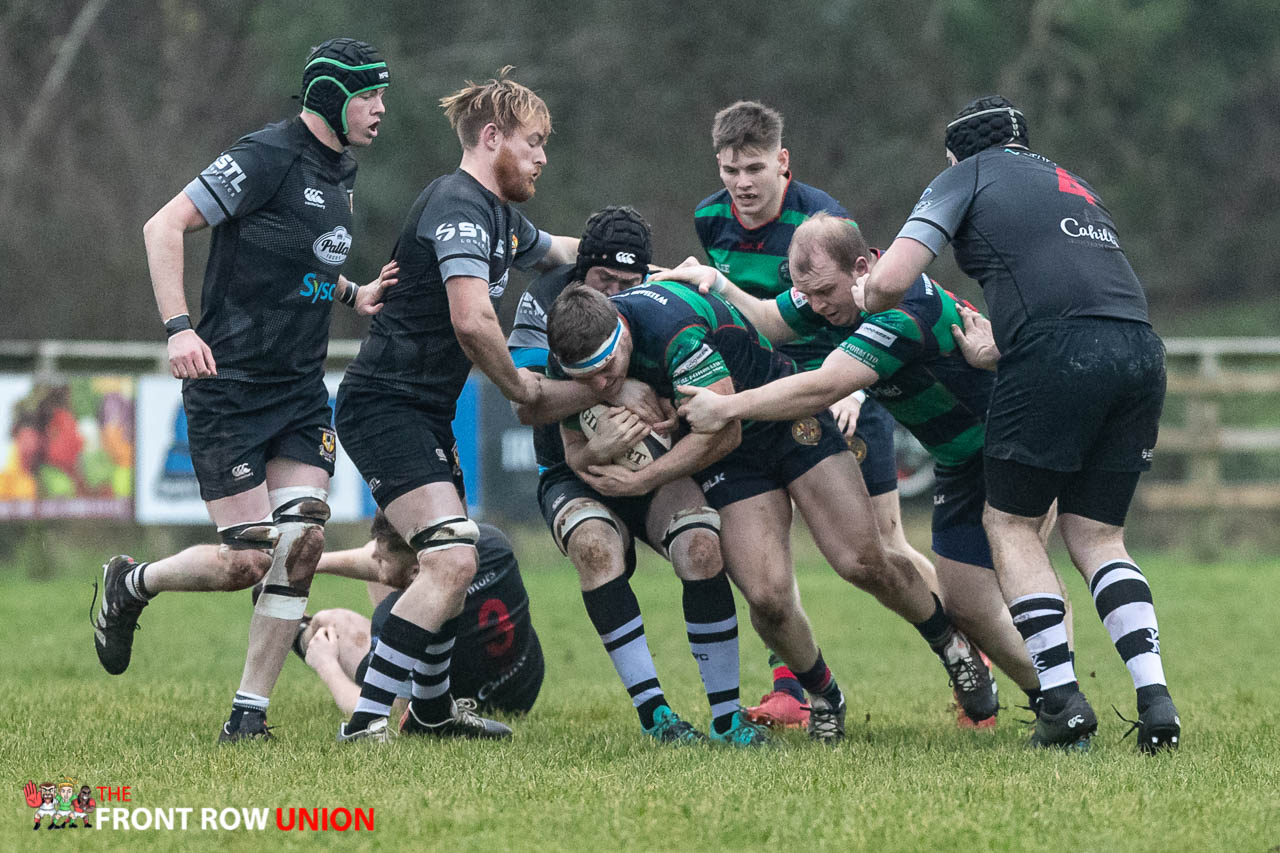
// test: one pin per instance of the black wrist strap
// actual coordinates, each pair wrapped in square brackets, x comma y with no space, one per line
[348,296]
[180,323]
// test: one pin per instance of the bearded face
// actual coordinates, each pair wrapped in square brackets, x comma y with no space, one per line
[47,791]
[515,178]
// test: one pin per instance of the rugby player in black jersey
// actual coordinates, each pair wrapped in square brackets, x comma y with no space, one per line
[398,397]
[497,660]
[598,532]
[908,359]
[745,230]
[1077,401]
[262,442]
[668,335]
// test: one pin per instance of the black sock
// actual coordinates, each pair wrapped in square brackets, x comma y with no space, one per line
[938,629]
[819,681]
[432,701]
[711,621]
[401,642]
[1040,619]
[615,613]
[784,680]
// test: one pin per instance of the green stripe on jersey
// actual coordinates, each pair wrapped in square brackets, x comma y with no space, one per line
[754,272]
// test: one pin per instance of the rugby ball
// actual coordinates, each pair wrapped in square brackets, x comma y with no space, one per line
[645,451]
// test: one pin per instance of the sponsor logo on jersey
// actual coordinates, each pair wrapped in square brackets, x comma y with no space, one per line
[1098,234]
[242,471]
[317,288]
[806,431]
[332,247]
[497,288]
[722,267]
[642,291]
[229,173]
[876,334]
[798,299]
[465,232]
[312,197]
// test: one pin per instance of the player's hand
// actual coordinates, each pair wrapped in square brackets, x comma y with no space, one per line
[640,398]
[369,296]
[322,648]
[190,357]
[32,794]
[704,409]
[860,291]
[615,481]
[529,391]
[846,413]
[618,431]
[692,273]
[976,340]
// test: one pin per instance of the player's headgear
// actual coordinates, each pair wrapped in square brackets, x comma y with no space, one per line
[616,237]
[337,71]
[985,122]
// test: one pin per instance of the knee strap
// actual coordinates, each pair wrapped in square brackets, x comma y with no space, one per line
[297,509]
[700,518]
[450,531]
[302,504]
[572,517]
[254,536]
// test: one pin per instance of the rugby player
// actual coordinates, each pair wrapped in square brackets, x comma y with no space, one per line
[908,359]
[398,398]
[497,659]
[1077,398]
[597,531]
[262,442]
[669,335]
[745,229]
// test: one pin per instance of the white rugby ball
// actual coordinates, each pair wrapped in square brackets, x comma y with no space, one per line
[645,450]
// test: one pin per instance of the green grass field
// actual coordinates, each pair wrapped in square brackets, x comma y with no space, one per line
[579,775]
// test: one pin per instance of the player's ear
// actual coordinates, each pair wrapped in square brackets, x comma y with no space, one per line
[861,266]
[784,161]
[490,136]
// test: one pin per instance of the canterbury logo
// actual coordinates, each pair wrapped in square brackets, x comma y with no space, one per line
[241,471]
[313,197]
[625,257]
[1075,721]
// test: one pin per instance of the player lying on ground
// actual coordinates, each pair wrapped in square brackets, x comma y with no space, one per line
[667,334]
[745,229]
[908,359]
[497,659]
[262,441]
[598,532]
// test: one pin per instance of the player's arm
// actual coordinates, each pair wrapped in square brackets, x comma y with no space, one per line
[323,655]
[894,273]
[366,299]
[763,313]
[795,396]
[618,431]
[163,235]
[563,250]
[355,563]
[476,326]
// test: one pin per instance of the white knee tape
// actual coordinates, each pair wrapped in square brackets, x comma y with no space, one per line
[449,531]
[573,515]
[702,518]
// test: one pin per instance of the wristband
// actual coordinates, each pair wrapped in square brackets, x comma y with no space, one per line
[720,284]
[860,395]
[348,296]
[177,323]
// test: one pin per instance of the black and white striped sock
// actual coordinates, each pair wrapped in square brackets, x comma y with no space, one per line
[712,624]
[1041,620]
[1123,598]
[431,700]
[135,585]
[615,613]
[397,652]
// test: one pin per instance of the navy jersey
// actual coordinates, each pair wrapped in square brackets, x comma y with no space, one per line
[924,381]
[528,346]
[680,337]
[1036,237]
[755,258]
[455,228]
[279,202]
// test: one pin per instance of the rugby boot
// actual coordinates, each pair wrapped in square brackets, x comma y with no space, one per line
[970,678]
[669,728]
[376,732]
[1070,728]
[826,721]
[117,618]
[247,725]
[742,733]
[1159,727]
[963,720]
[463,722]
[779,709]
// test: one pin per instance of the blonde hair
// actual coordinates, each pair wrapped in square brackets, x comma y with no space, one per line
[838,238]
[500,100]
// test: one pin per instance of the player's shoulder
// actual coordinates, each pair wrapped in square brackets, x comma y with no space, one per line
[809,200]
[546,287]
[718,205]
[458,187]
[278,144]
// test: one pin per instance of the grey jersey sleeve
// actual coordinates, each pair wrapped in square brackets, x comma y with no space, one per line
[943,206]
[533,243]
[458,230]
[529,328]
[239,182]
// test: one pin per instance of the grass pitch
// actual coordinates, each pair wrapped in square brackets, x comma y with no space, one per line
[580,776]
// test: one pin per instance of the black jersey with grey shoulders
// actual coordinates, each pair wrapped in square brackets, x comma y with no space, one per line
[1036,237]
[527,344]
[455,228]
[279,202]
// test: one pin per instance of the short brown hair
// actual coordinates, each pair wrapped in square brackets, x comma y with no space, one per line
[747,125]
[389,538]
[839,239]
[500,100]
[579,321]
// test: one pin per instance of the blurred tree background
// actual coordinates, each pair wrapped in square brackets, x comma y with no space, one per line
[1167,107]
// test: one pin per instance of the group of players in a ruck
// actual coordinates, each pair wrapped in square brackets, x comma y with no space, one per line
[760,377]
